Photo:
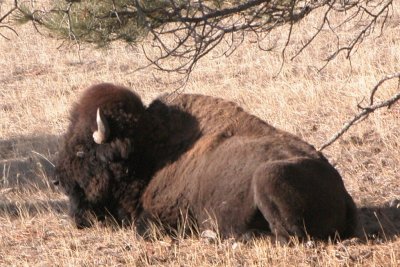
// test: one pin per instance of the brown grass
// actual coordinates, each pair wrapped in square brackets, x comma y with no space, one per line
[39,82]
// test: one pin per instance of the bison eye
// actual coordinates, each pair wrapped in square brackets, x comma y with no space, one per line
[80,154]
[55,182]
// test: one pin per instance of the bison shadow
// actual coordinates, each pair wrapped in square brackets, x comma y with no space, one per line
[380,222]
[19,164]
[376,223]
[32,208]
[21,169]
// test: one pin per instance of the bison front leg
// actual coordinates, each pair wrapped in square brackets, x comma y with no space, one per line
[305,198]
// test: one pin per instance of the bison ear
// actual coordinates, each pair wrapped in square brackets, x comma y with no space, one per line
[101,135]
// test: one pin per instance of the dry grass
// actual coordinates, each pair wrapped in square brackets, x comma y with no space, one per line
[38,84]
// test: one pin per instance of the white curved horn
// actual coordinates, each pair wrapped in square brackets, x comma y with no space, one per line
[101,135]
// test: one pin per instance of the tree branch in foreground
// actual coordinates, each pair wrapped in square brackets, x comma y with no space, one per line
[365,111]
[175,34]
[6,15]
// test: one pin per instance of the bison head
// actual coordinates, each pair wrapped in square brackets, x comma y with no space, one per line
[94,162]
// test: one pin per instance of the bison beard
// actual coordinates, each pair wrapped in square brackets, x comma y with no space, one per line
[201,156]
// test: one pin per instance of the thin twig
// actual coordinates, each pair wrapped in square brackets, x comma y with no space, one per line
[15,7]
[365,110]
[186,31]
[387,77]
[9,12]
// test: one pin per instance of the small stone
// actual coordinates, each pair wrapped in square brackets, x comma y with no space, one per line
[235,245]
[395,203]
[209,235]
[310,244]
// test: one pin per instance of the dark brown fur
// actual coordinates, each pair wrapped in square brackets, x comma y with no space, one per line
[202,156]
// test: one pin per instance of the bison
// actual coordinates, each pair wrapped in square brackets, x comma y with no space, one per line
[201,157]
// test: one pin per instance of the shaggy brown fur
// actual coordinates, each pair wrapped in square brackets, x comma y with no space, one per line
[200,155]
[88,172]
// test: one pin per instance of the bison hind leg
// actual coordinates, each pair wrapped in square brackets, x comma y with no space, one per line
[303,197]
[258,223]
[282,227]
[279,204]
[269,225]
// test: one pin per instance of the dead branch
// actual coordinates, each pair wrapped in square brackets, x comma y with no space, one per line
[183,32]
[6,15]
[365,111]
[387,77]
[15,7]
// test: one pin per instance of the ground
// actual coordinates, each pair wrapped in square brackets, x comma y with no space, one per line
[39,81]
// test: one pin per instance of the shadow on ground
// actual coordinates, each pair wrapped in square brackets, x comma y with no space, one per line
[380,222]
[22,169]
[16,209]
[19,164]
[377,223]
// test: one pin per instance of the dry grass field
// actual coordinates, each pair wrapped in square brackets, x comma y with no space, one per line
[39,81]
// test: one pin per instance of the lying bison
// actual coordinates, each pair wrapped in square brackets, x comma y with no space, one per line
[200,156]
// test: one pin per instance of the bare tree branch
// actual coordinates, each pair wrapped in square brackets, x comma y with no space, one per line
[186,31]
[9,12]
[6,15]
[387,77]
[365,111]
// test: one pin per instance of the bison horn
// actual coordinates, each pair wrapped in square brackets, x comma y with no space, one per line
[101,135]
